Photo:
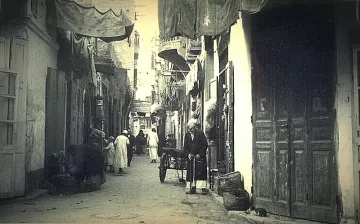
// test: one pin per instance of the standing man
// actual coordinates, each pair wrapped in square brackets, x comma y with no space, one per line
[195,145]
[153,143]
[130,149]
[121,143]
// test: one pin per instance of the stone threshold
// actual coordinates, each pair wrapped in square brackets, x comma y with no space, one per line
[255,219]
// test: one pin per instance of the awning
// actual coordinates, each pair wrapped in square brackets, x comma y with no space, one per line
[154,108]
[88,21]
[194,19]
[194,76]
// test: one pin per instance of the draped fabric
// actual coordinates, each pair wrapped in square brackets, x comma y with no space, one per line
[88,21]
[194,19]
[83,57]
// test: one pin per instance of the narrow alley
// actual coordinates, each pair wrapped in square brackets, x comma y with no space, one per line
[137,196]
[258,100]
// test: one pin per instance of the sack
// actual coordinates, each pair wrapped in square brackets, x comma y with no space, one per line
[230,182]
[238,201]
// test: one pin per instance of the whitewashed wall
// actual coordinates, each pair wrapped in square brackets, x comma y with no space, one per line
[239,53]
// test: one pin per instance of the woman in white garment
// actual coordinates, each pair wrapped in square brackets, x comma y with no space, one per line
[152,142]
[121,143]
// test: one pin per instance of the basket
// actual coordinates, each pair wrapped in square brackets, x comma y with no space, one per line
[239,201]
[230,182]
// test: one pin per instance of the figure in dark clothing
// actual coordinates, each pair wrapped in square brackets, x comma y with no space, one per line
[195,146]
[94,158]
[140,141]
[130,148]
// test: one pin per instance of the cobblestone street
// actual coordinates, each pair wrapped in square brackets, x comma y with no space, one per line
[135,197]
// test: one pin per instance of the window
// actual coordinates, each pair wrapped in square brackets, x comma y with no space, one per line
[212,85]
[7,106]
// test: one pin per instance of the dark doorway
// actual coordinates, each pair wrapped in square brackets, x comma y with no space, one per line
[294,166]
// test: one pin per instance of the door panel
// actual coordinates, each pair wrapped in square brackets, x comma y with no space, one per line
[356,124]
[282,113]
[13,90]
[298,143]
[263,141]
[322,197]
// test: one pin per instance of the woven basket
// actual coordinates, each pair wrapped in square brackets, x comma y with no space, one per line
[230,182]
[239,201]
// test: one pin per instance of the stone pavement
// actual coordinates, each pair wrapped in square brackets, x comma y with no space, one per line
[134,197]
[252,218]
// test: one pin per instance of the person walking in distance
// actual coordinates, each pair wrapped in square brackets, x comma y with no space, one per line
[195,146]
[153,142]
[121,143]
[140,140]
[130,149]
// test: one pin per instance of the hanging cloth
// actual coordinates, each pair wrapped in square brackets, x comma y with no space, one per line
[88,21]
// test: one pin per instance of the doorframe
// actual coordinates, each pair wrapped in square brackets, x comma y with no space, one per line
[356,129]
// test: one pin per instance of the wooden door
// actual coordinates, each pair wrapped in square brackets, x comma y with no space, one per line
[55,124]
[13,90]
[220,132]
[229,123]
[356,125]
[294,163]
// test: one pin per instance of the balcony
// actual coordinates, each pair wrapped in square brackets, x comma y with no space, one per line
[180,51]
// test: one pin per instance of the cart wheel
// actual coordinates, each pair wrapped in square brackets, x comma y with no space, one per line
[162,168]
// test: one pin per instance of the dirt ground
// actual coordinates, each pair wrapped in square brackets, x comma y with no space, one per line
[134,197]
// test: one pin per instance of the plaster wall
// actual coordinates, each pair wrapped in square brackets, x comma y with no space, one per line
[344,22]
[240,54]
[41,56]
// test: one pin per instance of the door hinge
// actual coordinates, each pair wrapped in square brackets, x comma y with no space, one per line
[251,119]
[338,200]
[357,214]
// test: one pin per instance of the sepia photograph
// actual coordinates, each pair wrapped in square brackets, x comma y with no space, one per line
[180,111]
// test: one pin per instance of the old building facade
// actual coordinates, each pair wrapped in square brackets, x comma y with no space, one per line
[294,72]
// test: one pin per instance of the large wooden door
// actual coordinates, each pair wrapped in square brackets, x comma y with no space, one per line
[13,89]
[294,163]
[55,125]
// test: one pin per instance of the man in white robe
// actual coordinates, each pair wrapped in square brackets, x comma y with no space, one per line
[121,143]
[152,142]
